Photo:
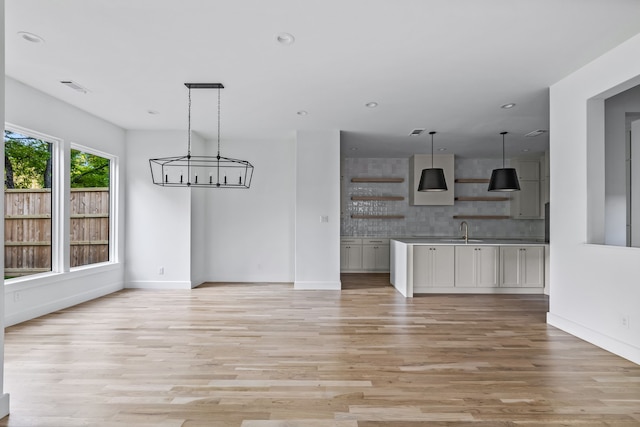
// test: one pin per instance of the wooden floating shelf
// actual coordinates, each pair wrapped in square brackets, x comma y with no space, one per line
[482,199]
[370,198]
[472,180]
[377,216]
[378,180]
[481,217]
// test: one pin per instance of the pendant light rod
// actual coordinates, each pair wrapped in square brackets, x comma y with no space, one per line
[432,133]
[503,133]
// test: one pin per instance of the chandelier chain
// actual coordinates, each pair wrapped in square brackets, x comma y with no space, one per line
[218,121]
[189,126]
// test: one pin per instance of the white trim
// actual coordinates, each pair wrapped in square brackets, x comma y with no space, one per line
[318,286]
[60,304]
[4,405]
[152,284]
[605,342]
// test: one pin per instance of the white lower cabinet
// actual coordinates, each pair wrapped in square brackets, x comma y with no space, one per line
[522,267]
[433,267]
[351,255]
[476,266]
[375,254]
[361,255]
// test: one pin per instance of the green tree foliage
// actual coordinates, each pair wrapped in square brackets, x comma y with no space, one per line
[27,161]
[27,164]
[88,170]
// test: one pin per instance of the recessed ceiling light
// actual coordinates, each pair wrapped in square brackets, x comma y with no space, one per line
[285,39]
[354,149]
[30,37]
[442,149]
[302,113]
[372,104]
[507,106]
[525,150]
[153,112]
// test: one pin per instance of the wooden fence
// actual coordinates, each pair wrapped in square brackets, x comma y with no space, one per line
[27,229]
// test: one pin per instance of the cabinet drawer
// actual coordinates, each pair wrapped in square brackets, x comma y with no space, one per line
[374,241]
[349,240]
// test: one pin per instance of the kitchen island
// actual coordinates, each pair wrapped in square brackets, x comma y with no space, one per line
[456,265]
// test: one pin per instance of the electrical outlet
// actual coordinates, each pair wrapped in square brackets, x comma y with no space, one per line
[161,271]
[17,296]
[625,321]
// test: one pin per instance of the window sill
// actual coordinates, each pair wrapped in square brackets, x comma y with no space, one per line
[43,279]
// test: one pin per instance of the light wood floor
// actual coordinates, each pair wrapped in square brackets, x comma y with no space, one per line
[264,355]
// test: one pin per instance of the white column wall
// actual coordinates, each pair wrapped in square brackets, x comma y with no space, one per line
[317,259]
[4,400]
[158,218]
[31,109]
[593,287]
[250,232]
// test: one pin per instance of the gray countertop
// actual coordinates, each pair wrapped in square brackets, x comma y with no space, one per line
[472,241]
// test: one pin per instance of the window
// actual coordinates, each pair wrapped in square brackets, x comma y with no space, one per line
[59,203]
[90,176]
[27,204]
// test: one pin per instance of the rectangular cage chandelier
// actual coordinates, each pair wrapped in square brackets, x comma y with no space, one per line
[201,171]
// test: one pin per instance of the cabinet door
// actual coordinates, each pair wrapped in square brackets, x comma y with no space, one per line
[369,257]
[487,267]
[443,261]
[476,266]
[510,266]
[465,270]
[382,258]
[421,267]
[532,271]
[529,199]
[522,267]
[350,257]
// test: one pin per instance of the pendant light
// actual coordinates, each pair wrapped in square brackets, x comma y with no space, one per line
[505,179]
[201,171]
[432,179]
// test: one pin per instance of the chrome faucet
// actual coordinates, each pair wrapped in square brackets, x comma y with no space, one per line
[464,225]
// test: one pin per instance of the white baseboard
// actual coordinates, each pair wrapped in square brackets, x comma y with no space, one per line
[605,342]
[4,405]
[152,284]
[59,304]
[317,286]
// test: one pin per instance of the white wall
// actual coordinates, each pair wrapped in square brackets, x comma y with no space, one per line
[31,109]
[317,260]
[250,232]
[4,400]
[198,224]
[158,218]
[615,168]
[592,286]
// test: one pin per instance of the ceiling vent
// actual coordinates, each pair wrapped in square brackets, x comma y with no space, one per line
[75,86]
[535,133]
[416,132]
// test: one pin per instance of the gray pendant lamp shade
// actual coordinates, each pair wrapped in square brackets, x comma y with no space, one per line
[505,179]
[432,179]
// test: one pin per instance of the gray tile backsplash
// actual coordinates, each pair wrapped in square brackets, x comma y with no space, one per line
[425,220]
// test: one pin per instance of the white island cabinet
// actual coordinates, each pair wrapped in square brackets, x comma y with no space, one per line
[448,266]
[433,267]
[476,266]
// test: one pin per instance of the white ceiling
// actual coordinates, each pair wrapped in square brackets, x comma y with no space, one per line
[443,65]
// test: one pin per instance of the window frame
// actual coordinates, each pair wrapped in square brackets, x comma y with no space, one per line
[113,205]
[61,211]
